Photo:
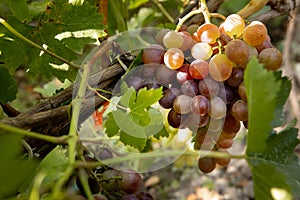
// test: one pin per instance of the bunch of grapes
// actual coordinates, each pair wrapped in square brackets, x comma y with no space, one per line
[202,70]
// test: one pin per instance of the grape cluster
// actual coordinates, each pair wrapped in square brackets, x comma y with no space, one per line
[201,69]
[107,183]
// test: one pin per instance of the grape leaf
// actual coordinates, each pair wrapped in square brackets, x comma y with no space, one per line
[13,170]
[20,9]
[8,86]
[117,16]
[277,167]
[136,142]
[111,127]
[271,157]
[281,98]
[62,28]
[54,166]
[140,121]
[261,90]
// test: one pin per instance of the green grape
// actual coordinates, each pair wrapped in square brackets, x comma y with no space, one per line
[234,25]
[181,104]
[220,67]
[217,108]
[202,51]
[172,39]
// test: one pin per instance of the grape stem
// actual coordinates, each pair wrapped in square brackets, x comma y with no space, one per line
[18,131]
[22,37]
[204,10]
[202,153]
[84,182]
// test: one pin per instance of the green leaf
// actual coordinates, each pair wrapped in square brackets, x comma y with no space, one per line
[261,90]
[136,142]
[162,133]
[117,16]
[8,86]
[282,96]
[13,170]
[136,3]
[20,9]
[145,98]
[54,166]
[62,28]
[277,167]
[140,121]
[110,125]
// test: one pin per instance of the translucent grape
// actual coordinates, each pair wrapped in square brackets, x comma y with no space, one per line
[208,87]
[190,88]
[160,36]
[237,51]
[255,33]
[220,67]
[199,69]
[195,121]
[172,39]
[217,108]
[183,74]
[181,104]
[271,58]
[208,33]
[202,51]
[200,105]
[234,25]
[174,58]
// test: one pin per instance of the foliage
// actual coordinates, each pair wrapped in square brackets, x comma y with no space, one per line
[68,30]
[271,156]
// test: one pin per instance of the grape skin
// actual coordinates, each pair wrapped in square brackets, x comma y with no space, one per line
[172,39]
[208,33]
[220,67]
[206,164]
[234,25]
[173,58]
[255,33]
[271,58]
[239,57]
[199,69]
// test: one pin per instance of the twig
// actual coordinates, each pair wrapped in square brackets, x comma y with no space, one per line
[14,130]
[252,7]
[201,153]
